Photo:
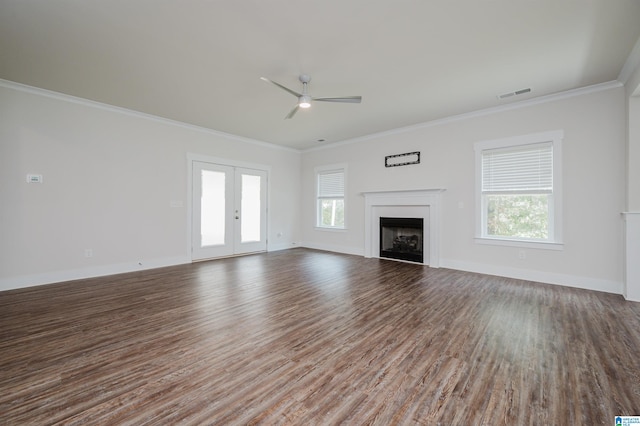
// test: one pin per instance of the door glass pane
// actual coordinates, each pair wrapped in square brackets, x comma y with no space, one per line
[250,208]
[212,208]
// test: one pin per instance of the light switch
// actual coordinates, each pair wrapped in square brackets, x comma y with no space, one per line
[34,178]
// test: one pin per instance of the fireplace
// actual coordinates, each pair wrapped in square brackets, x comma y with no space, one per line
[417,203]
[402,238]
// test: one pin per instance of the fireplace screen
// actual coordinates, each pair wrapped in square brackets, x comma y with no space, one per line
[401,238]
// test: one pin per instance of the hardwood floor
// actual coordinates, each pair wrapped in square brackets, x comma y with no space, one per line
[308,337]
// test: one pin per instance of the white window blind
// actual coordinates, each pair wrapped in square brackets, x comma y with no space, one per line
[331,184]
[520,169]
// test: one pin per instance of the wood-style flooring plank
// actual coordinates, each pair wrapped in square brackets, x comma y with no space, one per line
[308,337]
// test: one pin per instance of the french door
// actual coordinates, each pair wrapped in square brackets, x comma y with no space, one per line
[229,210]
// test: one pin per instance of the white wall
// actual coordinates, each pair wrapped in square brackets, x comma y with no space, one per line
[594,123]
[110,177]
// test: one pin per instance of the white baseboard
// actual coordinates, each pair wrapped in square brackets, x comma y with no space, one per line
[334,248]
[282,246]
[567,280]
[509,272]
[586,283]
[92,272]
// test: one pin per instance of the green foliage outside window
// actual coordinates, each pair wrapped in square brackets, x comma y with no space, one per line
[518,216]
[332,213]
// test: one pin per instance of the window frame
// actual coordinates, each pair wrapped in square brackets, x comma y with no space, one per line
[342,167]
[555,239]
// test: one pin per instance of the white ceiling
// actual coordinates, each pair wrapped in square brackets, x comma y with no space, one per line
[412,61]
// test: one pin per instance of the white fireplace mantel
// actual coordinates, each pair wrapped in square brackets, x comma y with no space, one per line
[426,200]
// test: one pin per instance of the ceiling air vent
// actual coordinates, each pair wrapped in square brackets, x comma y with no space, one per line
[516,93]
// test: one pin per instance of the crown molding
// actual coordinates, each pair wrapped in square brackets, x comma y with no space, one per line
[454,118]
[631,64]
[479,113]
[132,113]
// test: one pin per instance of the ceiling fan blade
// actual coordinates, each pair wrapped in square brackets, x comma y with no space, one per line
[293,112]
[346,99]
[294,93]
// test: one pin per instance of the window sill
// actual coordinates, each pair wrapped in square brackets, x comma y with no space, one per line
[520,243]
[321,228]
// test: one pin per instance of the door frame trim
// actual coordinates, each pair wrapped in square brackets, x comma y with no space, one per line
[191,157]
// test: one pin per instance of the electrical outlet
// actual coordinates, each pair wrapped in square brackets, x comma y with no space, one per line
[88,252]
[522,254]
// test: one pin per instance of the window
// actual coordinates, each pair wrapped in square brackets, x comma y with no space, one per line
[519,189]
[330,197]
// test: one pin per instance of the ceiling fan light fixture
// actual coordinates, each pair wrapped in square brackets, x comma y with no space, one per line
[304,101]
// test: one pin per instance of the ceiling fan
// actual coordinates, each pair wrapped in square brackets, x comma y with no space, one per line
[304,99]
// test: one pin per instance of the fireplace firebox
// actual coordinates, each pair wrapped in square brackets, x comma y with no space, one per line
[402,238]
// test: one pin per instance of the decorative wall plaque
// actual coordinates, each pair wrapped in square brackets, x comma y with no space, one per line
[402,159]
